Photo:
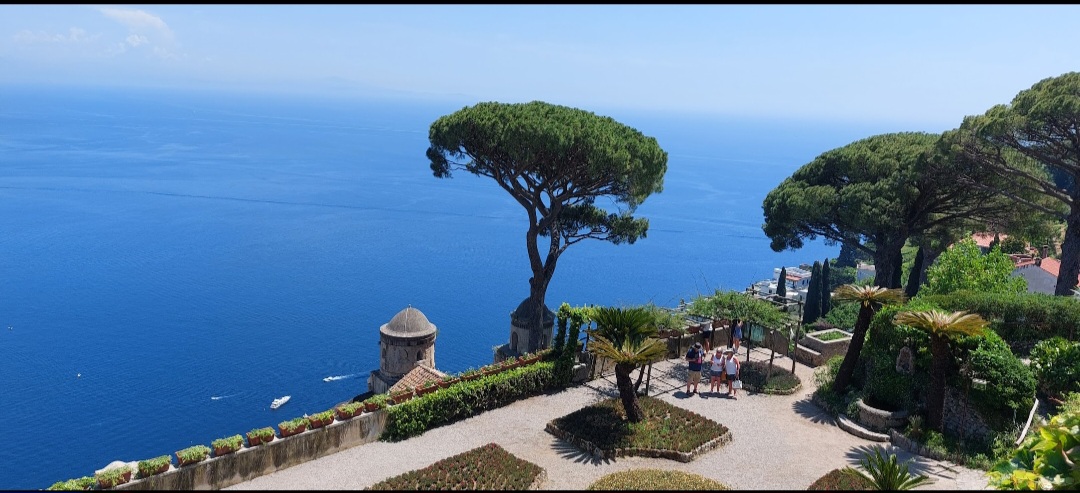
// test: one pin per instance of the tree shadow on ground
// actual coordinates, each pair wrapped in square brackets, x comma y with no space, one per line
[807,409]
[572,452]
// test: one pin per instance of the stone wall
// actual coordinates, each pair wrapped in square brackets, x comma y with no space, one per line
[251,462]
[960,414]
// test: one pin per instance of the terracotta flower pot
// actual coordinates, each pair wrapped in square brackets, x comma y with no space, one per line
[285,432]
[371,407]
[342,415]
[220,451]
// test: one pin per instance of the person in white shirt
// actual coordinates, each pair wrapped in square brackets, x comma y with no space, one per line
[717,372]
[731,367]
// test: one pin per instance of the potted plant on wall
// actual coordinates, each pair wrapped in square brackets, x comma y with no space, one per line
[470,374]
[319,420]
[113,477]
[401,395]
[260,436]
[192,455]
[157,465]
[446,381]
[376,402]
[292,427]
[348,410]
[227,445]
[428,387]
[77,484]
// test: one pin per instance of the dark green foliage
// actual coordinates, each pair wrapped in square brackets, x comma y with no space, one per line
[1038,129]
[484,468]
[560,335]
[877,192]
[812,308]
[1056,364]
[1010,383]
[781,283]
[886,474]
[77,484]
[884,386]
[1013,244]
[843,316]
[467,398]
[1021,319]
[846,479]
[665,427]
[754,372]
[824,291]
[555,161]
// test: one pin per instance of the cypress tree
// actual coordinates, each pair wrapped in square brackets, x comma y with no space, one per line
[826,291]
[781,283]
[812,309]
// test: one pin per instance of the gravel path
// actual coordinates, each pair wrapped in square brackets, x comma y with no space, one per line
[778,442]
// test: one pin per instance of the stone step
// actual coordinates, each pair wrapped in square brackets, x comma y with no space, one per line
[856,429]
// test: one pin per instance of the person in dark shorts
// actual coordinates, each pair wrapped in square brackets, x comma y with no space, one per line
[693,363]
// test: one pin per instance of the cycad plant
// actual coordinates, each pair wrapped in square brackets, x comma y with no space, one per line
[941,326]
[625,336]
[885,473]
[870,299]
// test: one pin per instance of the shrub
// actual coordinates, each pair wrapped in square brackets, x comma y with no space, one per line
[1045,460]
[489,467]
[1056,364]
[467,398]
[886,474]
[666,427]
[1011,393]
[846,479]
[233,443]
[194,453]
[843,315]
[1021,319]
[753,373]
[77,484]
[114,476]
[655,479]
[150,467]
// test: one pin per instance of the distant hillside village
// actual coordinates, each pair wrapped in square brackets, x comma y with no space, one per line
[1035,266]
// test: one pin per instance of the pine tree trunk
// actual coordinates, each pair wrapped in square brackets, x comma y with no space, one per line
[1070,254]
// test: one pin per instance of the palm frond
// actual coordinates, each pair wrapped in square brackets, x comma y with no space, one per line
[641,353]
[943,324]
[866,295]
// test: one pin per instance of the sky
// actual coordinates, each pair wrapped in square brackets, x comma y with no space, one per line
[923,65]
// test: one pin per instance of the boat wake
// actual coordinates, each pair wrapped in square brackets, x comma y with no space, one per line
[220,397]
[338,377]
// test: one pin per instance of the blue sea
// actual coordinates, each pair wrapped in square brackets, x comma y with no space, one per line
[172,261]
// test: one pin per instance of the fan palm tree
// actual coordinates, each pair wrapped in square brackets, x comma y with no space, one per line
[941,326]
[886,474]
[870,299]
[626,337]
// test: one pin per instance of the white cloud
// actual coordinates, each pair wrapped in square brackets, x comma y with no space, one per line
[136,40]
[137,20]
[75,35]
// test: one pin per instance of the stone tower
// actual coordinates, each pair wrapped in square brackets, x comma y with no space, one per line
[525,339]
[405,342]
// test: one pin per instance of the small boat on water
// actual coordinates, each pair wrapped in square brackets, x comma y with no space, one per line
[279,401]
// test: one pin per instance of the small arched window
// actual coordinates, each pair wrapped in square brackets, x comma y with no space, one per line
[420,355]
[513,342]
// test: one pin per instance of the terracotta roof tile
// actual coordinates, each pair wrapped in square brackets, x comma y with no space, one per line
[416,377]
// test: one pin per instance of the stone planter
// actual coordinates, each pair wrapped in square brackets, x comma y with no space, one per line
[880,420]
[827,348]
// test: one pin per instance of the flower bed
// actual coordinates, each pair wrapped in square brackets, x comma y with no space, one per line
[782,382]
[489,467]
[668,431]
[655,479]
[841,480]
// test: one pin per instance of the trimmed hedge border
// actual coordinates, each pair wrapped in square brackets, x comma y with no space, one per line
[635,451]
[751,388]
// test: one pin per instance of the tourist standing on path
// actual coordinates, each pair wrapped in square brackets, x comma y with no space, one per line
[693,363]
[732,367]
[736,334]
[716,372]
